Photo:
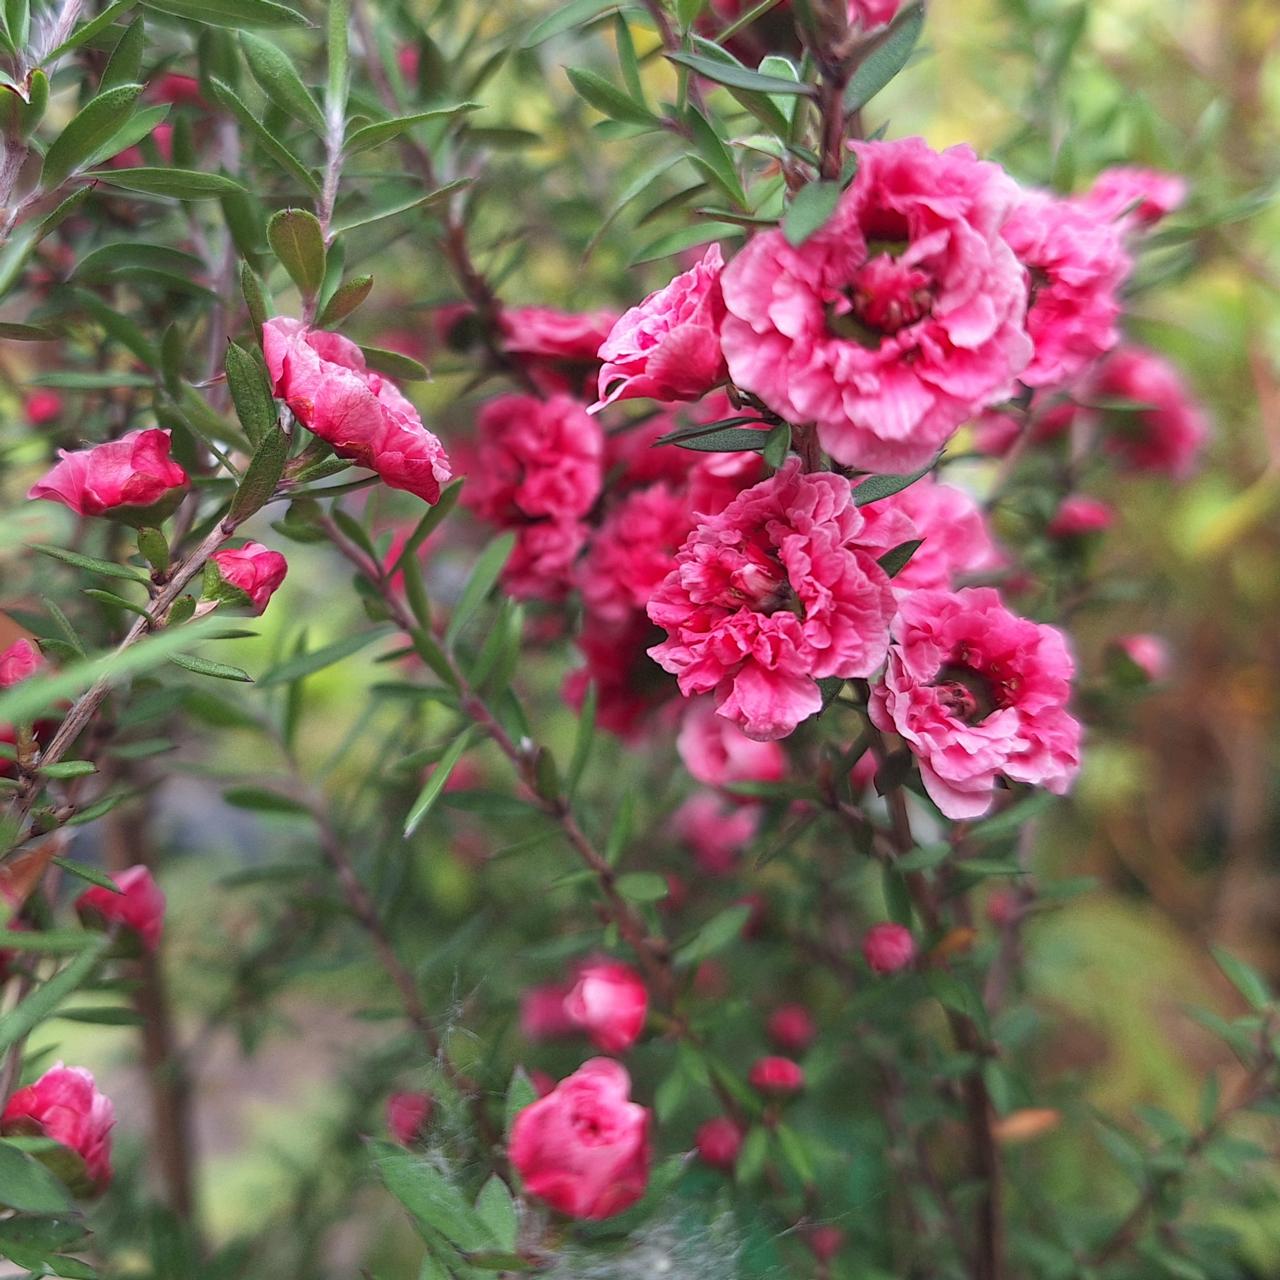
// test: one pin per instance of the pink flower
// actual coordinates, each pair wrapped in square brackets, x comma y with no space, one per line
[888,947]
[825,1242]
[252,570]
[541,565]
[535,459]
[542,1012]
[42,407]
[771,595]
[1077,263]
[584,1148]
[873,13]
[629,688]
[718,1143]
[791,1028]
[138,906]
[557,348]
[408,1114]
[134,472]
[895,322]
[957,542]
[180,90]
[1079,514]
[717,752]
[324,379]
[609,1002]
[776,1077]
[1134,195]
[1148,653]
[668,347]
[20,661]
[995,432]
[715,831]
[65,1105]
[632,551]
[1169,435]
[978,693]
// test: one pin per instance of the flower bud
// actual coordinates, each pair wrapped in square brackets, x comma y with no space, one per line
[42,407]
[1079,515]
[776,1077]
[718,1143]
[139,906]
[791,1028]
[249,575]
[65,1105]
[609,1002]
[408,1115]
[888,947]
[825,1242]
[1149,654]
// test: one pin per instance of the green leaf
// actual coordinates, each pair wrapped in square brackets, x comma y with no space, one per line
[497,1210]
[261,476]
[395,365]
[876,487]
[27,1186]
[399,206]
[338,38]
[433,1204]
[715,935]
[346,298]
[297,240]
[125,64]
[740,77]
[810,210]
[92,126]
[90,564]
[564,18]
[206,667]
[607,98]
[885,59]
[177,184]
[236,14]
[894,561]
[726,440]
[250,393]
[584,739]
[26,332]
[69,769]
[49,942]
[90,875]
[382,131]
[685,238]
[306,664]
[231,101]
[520,1094]
[488,568]
[275,72]
[777,445]
[1245,979]
[88,30]
[435,784]
[716,160]
[260,800]
[643,886]
[924,857]
[42,1002]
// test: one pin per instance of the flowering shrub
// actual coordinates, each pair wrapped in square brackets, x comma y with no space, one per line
[694,668]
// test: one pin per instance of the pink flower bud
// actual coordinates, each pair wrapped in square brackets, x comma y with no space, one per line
[125,477]
[825,1242]
[64,1105]
[252,571]
[888,947]
[791,1028]
[408,1115]
[139,906]
[20,661]
[718,1143]
[668,347]
[324,379]
[1149,653]
[1079,515]
[42,407]
[776,1077]
[542,1012]
[609,1002]
[584,1148]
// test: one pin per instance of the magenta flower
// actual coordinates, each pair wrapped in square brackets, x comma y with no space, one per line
[888,947]
[252,570]
[609,1003]
[139,906]
[717,752]
[894,323]
[125,476]
[1135,196]
[408,1115]
[978,694]
[65,1105]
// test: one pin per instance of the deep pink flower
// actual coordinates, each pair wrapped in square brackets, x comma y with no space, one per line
[1149,653]
[1135,196]
[542,1012]
[632,551]
[776,1077]
[584,1148]
[629,688]
[717,752]
[825,1242]
[718,1143]
[715,831]
[541,565]
[323,378]
[408,1114]
[134,472]
[994,432]
[1169,435]
[557,348]
[978,693]
[888,947]
[42,407]
[610,1003]
[138,906]
[534,459]
[180,90]
[895,322]
[65,1105]
[253,570]
[20,661]
[957,542]
[791,1028]
[668,347]
[1078,514]
[1077,262]
[771,595]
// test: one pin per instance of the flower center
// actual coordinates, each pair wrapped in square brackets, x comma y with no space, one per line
[967,694]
